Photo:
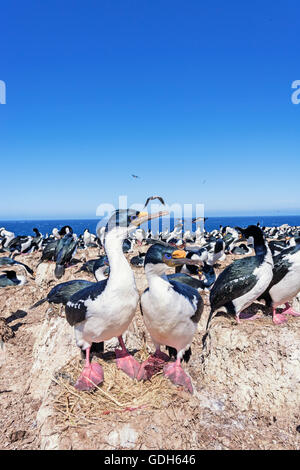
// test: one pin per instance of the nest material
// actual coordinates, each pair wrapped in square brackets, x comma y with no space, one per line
[118,393]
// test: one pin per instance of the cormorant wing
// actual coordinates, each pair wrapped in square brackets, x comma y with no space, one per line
[61,293]
[76,307]
[186,279]
[192,295]
[282,264]
[236,280]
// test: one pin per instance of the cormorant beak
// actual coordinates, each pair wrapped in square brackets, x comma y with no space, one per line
[177,254]
[145,216]
[172,262]
[178,258]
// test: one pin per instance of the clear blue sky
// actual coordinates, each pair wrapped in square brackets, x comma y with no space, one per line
[194,97]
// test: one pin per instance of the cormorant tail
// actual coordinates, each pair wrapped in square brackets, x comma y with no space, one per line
[40,302]
[59,271]
[207,327]
[28,269]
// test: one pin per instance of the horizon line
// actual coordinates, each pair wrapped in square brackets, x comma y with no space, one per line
[100,218]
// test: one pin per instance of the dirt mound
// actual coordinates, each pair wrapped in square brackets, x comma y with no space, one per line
[246,381]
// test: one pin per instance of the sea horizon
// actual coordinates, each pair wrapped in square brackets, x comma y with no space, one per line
[46,225]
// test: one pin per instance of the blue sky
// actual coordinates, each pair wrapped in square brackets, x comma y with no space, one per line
[194,97]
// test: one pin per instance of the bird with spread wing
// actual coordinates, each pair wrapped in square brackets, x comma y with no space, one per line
[151,198]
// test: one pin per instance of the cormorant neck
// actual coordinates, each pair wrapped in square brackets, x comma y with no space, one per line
[155,272]
[260,247]
[119,267]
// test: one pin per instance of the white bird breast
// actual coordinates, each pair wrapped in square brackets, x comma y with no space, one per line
[167,316]
[264,274]
[289,286]
[109,315]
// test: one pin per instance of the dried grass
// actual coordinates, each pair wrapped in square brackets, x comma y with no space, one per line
[118,393]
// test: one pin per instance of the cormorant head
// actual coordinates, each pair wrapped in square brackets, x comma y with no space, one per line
[161,255]
[252,231]
[12,275]
[124,221]
[64,230]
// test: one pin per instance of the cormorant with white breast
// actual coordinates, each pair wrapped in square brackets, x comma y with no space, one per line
[106,309]
[243,281]
[206,284]
[171,311]
[10,261]
[11,278]
[285,283]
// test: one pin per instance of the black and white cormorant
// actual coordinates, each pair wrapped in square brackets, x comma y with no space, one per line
[11,278]
[171,311]
[105,310]
[5,261]
[91,265]
[243,281]
[49,250]
[65,249]
[206,270]
[285,283]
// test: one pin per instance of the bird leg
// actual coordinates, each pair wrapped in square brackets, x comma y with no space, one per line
[152,365]
[174,372]
[91,375]
[126,361]
[278,318]
[289,311]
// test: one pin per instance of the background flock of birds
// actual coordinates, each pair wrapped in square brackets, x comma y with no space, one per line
[172,304]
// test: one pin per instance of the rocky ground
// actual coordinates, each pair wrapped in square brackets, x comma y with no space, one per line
[246,382]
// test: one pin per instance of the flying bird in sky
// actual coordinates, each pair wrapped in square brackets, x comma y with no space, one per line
[151,198]
[135,176]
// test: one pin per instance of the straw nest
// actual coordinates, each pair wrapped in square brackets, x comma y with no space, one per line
[118,393]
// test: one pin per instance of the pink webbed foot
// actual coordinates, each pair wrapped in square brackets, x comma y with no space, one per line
[176,374]
[290,311]
[152,365]
[278,318]
[91,376]
[125,361]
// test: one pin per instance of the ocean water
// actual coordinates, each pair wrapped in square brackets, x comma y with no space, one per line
[24,227]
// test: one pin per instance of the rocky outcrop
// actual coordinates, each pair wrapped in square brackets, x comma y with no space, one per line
[257,365]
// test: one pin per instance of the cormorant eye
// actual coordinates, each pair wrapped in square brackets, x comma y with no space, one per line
[132,217]
[168,256]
